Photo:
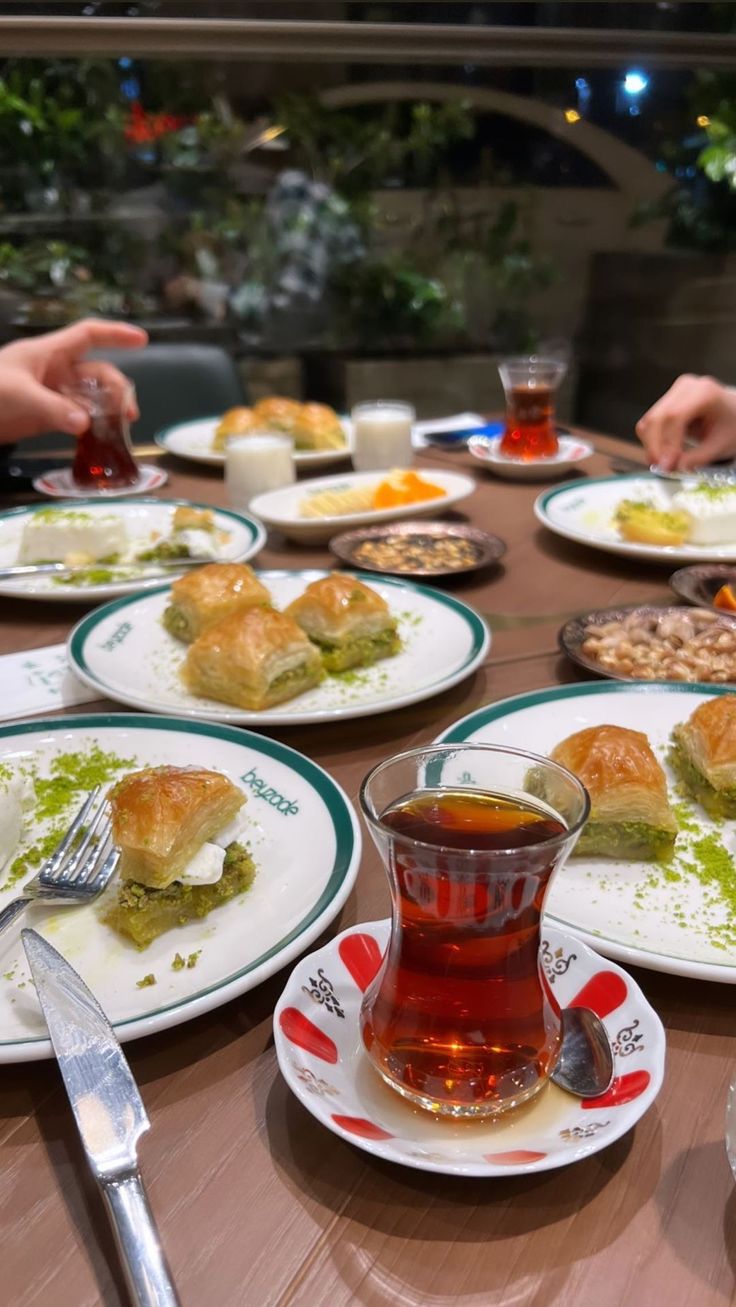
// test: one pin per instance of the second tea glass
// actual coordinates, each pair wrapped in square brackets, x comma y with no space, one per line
[459,1018]
[529,384]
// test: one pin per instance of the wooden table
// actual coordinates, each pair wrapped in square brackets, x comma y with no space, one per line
[258,1205]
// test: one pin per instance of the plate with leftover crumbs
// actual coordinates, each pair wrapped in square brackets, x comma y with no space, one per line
[645,517]
[299,829]
[123,650]
[106,545]
[430,549]
[677,916]
[648,643]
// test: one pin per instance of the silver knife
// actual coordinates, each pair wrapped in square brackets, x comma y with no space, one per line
[161,565]
[109,1113]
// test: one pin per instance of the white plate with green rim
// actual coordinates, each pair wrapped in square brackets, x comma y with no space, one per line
[584,511]
[303,836]
[146,522]
[193,440]
[123,650]
[677,918]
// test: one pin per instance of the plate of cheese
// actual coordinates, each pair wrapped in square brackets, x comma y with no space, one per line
[113,549]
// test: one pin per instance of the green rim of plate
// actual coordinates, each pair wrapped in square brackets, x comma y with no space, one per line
[460,732]
[347,844]
[480,635]
[547,496]
[256,528]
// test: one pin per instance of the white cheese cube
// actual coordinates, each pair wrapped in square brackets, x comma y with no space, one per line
[51,535]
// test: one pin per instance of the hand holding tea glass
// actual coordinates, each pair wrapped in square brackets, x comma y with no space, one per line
[529,384]
[459,1018]
[35,371]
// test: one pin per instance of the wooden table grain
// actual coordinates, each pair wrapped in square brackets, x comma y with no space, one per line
[258,1205]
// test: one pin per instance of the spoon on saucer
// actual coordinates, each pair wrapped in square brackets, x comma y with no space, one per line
[585,1064]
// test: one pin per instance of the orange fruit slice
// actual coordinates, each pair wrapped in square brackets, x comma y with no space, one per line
[726,598]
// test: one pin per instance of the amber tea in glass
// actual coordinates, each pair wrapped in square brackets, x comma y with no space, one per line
[459,1019]
[103,459]
[530,385]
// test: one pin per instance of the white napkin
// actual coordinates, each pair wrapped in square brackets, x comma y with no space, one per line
[456,422]
[38,681]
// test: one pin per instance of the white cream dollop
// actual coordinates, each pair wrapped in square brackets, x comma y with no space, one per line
[201,544]
[205,868]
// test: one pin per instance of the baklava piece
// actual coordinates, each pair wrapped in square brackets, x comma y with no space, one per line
[351,624]
[252,659]
[236,422]
[207,595]
[630,813]
[703,755]
[178,832]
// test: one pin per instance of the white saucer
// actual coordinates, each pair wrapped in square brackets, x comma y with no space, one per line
[571,451]
[322,1060]
[59,485]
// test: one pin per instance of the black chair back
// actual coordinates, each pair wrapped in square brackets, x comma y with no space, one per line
[177,382]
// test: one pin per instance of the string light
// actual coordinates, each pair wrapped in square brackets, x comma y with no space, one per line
[703,120]
[572,116]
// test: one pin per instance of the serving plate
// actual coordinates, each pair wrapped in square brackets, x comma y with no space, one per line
[280,509]
[700,583]
[571,451]
[675,919]
[408,541]
[572,635]
[307,852]
[584,510]
[146,520]
[320,1053]
[123,651]
[193,441]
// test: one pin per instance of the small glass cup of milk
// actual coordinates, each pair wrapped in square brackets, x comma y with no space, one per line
[382,435]
[256,463]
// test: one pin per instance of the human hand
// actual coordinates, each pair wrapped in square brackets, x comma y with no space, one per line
[33,373]
[693,406]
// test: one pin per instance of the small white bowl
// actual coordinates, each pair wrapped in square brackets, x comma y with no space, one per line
[571,451]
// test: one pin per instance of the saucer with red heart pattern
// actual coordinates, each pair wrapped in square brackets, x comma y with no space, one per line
[321,1057]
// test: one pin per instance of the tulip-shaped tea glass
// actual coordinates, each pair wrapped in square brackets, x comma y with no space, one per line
[103,459]
[459,1018]
[529,384]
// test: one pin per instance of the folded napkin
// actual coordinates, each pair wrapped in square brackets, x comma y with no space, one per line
[39,681]
[455,422]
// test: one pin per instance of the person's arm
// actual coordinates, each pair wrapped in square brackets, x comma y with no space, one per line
[695,407]
[33,373]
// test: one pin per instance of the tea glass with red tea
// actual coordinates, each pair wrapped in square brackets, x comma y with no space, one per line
[459,1018]
[529,385]
[103,458]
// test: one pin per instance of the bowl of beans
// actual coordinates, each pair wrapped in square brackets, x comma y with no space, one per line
[647,643]
[430,549]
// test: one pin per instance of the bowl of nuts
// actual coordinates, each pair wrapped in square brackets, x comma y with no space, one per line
[647,643]
[423,549]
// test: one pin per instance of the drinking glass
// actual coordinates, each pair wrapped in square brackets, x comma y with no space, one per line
[103,458]
[529,384]
[382,435]
[459,1018]
[256,463]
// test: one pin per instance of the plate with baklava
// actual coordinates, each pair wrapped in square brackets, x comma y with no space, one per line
[320,436]
[652,879]
[235,853]
[225,643]
[87,550]
[692,520]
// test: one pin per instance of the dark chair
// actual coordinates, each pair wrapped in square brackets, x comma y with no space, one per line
[177,382]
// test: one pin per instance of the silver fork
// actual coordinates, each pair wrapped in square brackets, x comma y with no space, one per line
[78,869]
